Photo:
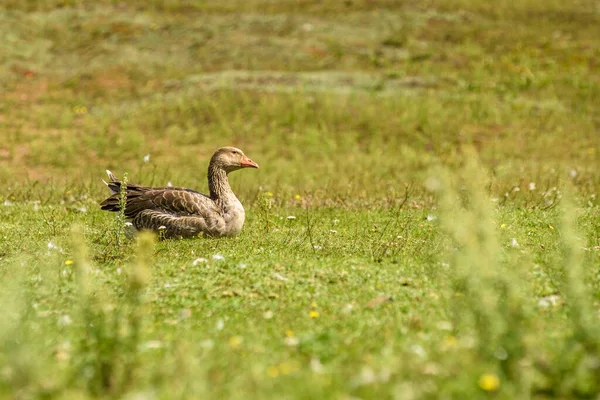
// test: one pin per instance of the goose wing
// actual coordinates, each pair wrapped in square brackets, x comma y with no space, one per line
[174,211]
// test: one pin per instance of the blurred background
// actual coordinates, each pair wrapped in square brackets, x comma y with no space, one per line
[344,101]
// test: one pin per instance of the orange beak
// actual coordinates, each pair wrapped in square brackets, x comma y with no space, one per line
[245,162]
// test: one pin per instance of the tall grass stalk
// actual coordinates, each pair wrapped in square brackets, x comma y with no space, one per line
[119,230]
[581,310]
[484,293]
[576,369]
[107,357]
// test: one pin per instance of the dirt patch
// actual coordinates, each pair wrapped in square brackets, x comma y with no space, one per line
[29,90]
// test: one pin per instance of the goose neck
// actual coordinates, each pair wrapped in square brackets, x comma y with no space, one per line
[218,184]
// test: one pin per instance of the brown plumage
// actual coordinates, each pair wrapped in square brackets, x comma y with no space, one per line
[181,212]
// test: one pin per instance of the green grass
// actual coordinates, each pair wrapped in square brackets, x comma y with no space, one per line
[440,160]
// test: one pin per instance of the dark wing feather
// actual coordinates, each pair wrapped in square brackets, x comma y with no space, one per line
[175,201]
[174,211]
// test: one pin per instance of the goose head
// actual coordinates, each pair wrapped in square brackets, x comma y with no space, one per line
[231,159]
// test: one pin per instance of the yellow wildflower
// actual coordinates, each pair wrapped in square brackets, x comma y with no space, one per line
[502,226]
[550,226]
[298,197]
[68,262]
[289,333]
[450,341]
[313,314]
[489,382]
[268,194]
[80,110]
[273,371]
[235,341]
[286,368]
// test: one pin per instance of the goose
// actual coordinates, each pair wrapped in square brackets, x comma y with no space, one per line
[181,212]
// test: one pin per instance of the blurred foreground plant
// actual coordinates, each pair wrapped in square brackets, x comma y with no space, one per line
[575,369]
[107,357]
[485,294]
[489,299]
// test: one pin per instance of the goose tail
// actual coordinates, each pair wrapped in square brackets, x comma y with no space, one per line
[114,185]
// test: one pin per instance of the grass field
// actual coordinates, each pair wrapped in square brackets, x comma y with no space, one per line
[425,222]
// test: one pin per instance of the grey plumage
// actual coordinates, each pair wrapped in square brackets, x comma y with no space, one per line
[182,212]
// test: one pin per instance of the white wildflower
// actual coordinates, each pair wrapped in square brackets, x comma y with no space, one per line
[316,366]
[268,314]
[431,218]
[548,301]
[242,266]
[317,247]
[279,277]
[332,231]
[291,341]
[220,325]
[200,260]
[514,243]
[531,185]
[418,350]
[64,320]
[367,376]
[218,257]
[572,173]
[147,158]
[291,217]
